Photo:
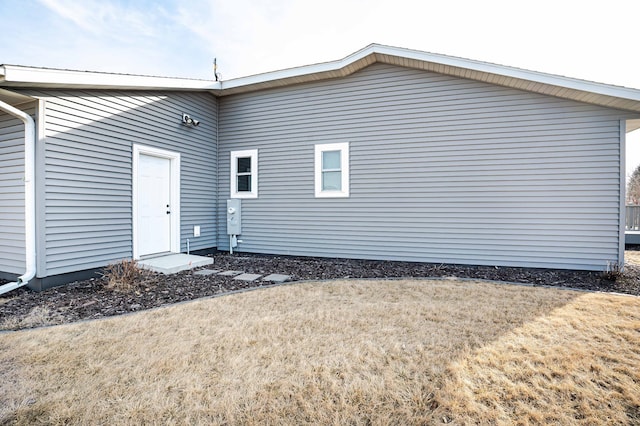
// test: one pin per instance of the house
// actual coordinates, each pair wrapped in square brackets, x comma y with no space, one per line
[389,153]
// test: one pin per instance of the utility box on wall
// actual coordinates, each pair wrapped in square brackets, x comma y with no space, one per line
[234,221]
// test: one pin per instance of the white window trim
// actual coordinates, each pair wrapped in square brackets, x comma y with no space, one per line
[174,157]
[253,153]
[344,165]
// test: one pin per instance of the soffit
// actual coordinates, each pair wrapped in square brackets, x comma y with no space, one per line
[532,81]
[564,87]
[13,98]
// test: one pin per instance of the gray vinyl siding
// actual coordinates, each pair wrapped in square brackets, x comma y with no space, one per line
[88,170]
[12,236]
[443,169]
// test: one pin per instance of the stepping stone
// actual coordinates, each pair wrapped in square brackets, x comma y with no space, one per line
[206,272]
[248,277]
[277,278]
[230,273]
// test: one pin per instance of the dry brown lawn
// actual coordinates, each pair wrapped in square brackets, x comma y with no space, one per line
[632,257]
[343,352]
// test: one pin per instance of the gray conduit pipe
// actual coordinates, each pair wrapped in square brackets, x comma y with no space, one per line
[29,197]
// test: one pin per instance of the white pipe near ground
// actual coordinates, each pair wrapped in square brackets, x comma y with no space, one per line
[29,197]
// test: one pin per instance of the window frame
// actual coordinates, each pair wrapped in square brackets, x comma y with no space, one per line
[343,147]
[233,173]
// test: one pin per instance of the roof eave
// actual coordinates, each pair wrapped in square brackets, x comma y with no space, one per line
[553,85]
[533,81]
[304,74]
[18,76]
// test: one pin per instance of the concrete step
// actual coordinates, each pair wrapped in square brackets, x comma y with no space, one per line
[174,262]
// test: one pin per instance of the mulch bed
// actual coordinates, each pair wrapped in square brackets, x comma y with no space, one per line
[92,299]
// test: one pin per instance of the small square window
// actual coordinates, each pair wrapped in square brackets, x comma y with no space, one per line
[331,181]
[330,160]
[332,170]
[244,174]
[244,164]
[244,183]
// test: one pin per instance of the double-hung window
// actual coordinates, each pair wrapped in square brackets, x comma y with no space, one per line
[244,174]
[332,170]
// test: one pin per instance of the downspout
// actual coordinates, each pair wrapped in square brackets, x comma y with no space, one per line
[218,165]
[29,197]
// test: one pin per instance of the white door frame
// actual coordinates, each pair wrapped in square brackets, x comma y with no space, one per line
[174,157]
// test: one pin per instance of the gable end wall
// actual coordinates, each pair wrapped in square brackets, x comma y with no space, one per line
[443,169]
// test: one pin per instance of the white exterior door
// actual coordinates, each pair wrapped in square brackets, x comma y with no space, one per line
[154,205]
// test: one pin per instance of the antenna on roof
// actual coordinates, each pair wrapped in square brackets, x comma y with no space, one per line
[215,69]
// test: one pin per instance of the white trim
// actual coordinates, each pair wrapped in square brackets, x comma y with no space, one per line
[625,98]
[175,194]
[49,77]
[343,147]
[623,189]
[41,240]
[233,169]
[373,52]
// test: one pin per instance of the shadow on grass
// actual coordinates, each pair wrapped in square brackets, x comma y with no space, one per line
[332,352]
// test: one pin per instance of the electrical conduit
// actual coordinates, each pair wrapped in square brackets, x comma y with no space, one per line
[29,197]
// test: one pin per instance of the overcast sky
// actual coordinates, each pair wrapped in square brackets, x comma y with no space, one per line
[592,40]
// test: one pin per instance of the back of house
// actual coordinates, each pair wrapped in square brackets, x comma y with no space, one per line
[387,154]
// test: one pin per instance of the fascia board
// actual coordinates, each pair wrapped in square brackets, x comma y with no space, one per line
[52,78]
[518,73]
[13,75]
[483,67]
[299,71]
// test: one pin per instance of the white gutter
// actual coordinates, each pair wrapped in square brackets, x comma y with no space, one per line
[29,197]
[21,76]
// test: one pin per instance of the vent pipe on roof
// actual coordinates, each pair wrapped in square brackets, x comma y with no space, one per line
[29,197]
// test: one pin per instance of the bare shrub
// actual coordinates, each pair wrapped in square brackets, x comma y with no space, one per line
[613,271]
[123,275]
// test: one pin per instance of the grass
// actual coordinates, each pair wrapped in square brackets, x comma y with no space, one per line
[632,257]
[345,352]
[39,316]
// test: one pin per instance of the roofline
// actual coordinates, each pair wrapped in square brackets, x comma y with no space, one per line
[23,76]
[550,84]
[532,81]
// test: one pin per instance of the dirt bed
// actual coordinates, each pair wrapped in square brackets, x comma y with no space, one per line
[89,299]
